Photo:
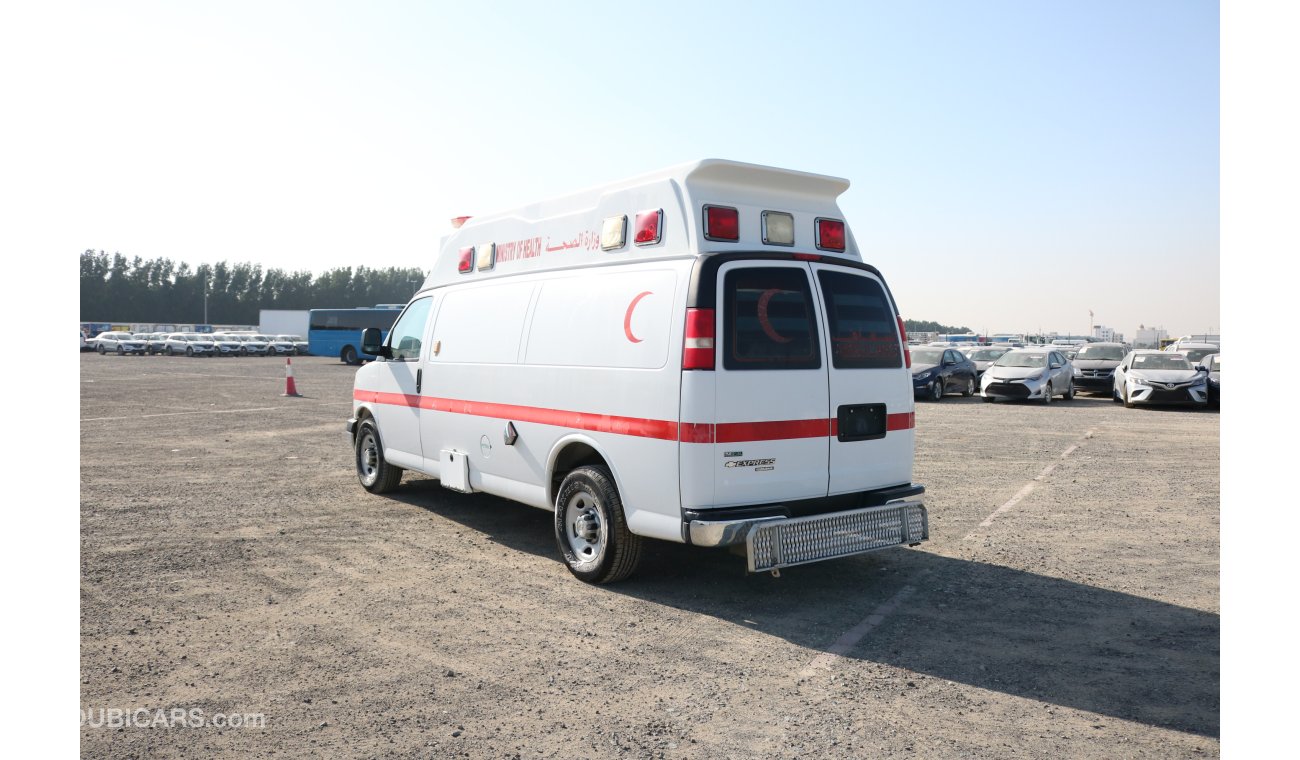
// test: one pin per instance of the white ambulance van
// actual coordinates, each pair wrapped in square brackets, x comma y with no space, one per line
[696,355]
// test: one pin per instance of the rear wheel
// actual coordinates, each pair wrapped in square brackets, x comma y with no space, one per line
[970,388]
[374,472]
[1069,392]
[349,355]
[590,529]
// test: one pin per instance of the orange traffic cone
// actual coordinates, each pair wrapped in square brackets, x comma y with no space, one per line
[290,389]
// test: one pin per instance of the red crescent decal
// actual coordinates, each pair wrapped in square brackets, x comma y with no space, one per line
[763,321]
[627,318]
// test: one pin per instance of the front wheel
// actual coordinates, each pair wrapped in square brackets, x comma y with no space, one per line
[101,350]
[189,351]
[1047,394]
[1128,399]
[120,351]
[936,389]
[349,355]
[374,472]
[590,528]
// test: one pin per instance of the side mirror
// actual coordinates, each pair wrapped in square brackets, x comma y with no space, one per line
[372,343]
[1056,365]
[1201,368]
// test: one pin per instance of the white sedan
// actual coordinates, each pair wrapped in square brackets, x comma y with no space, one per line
[1159,377]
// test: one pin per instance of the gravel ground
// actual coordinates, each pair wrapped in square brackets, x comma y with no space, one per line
[231,563]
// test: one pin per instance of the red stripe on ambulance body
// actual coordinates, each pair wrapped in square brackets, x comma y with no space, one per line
[686,432]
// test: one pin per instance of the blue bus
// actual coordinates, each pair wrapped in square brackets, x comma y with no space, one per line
[337,332]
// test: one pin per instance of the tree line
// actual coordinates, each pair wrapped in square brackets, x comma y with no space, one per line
[920,325]
[117,289]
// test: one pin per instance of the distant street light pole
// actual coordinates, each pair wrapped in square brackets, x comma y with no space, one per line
[205,299]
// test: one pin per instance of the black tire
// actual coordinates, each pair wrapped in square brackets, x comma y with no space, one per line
[935,391]
[100,348]
[348,355]
[970,388]
[293,351]
[374,472]
[1127,403]
[189,351]
[1069,392]
[1047,394]
[588,500]
[171,351]
[121,351]
[1114,395]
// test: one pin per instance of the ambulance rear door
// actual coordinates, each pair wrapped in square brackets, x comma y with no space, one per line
[770,437]
[871,402]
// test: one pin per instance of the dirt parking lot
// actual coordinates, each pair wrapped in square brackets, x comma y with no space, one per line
[1066,605]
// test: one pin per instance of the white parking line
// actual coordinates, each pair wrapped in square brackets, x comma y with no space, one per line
[211,411]
[857,633]
[1028,487]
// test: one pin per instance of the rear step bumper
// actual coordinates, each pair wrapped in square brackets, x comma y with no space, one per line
[777,540]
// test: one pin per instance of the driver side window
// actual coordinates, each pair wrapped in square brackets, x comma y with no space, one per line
[408,333]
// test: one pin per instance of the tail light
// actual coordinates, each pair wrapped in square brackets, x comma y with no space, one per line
[907,353]
[697,348]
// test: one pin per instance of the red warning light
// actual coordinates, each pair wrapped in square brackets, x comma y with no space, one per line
[649,227]
[721,223]
[466,260]
[830,234]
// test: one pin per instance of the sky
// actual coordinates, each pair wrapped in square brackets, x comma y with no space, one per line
[1013,164]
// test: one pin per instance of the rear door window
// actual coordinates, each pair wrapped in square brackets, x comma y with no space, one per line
[862,325]
[770,320]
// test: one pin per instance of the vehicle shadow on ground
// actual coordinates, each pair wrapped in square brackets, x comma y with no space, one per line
[975,623]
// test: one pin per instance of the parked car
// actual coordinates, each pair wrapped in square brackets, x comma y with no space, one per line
[157,343]
[254,344]
[190,344]
[1094,366]
[1029,373]
[273,346]
[1211,364]
[985,356]
[228,345]
[298,342]
[1159,377]
[936,371]
[85,345]
[1195,352]
[120,343]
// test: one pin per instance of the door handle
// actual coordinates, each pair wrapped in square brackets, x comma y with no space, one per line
[419,379]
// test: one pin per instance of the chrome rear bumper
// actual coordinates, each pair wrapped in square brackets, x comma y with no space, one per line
[775,542]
